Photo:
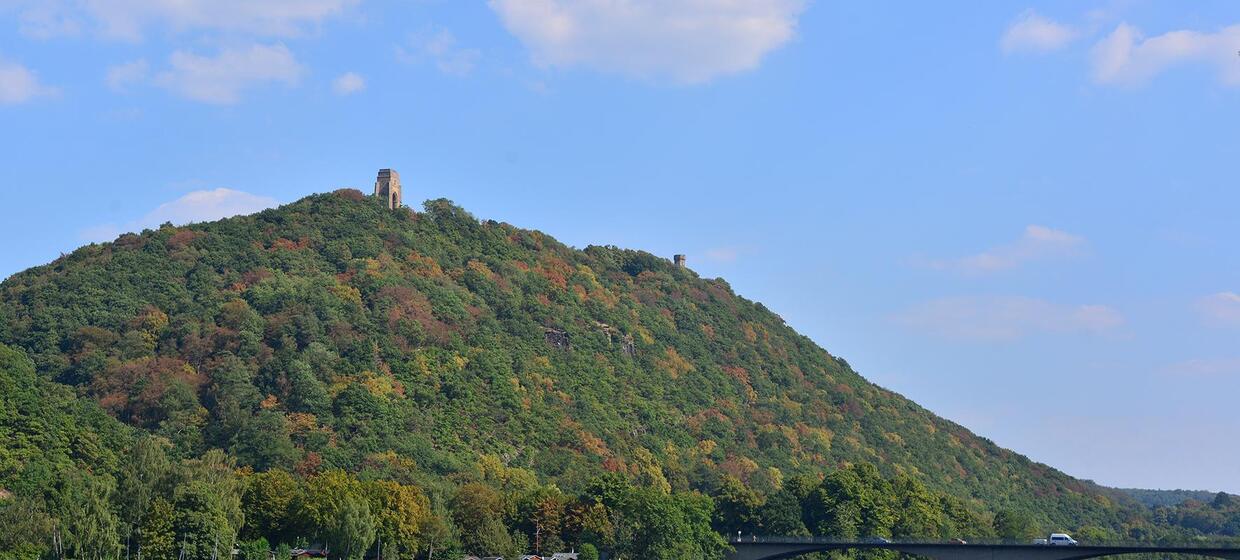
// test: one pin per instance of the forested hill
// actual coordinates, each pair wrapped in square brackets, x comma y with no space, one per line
[333,333]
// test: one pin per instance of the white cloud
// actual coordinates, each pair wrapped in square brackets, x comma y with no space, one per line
[1037,243]
[441,48]
[997,318]
[1220,309]
[197,206]
[1034,33]
[19,84]
[1125,57]
[47,19]
[1211,367]
[687,41]
[121,76]
[222,78]
[348,83]
[128,19]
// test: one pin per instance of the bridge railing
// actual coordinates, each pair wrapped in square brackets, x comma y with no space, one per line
[877,541]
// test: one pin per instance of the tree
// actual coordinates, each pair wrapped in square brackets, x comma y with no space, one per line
[27,528]
[781,515]
[1015,525]
[478,510]
[264,442]
[89,526]
[918,512]
[652,524]
[257,549]
[438,534]
[336,508]
[157,535]
[201,521]
[144,479]
[354,527]
[267,503]
[737,507]
[401,511]
[540,514]
[852,502]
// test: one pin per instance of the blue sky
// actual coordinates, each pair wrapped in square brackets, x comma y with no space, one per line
[1021,216]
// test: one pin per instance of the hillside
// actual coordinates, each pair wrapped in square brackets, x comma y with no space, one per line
[332,333]
[1166,498]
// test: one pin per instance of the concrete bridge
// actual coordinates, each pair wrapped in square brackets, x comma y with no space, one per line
[773,548]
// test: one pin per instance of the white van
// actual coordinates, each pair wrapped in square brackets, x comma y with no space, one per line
[1060,539]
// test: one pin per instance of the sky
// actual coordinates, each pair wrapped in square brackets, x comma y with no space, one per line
[1021,216]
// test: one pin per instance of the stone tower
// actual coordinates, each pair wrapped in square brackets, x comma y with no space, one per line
[679,260]
[387,187]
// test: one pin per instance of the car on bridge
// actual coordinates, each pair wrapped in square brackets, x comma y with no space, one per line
[1061,539]
[1056,539]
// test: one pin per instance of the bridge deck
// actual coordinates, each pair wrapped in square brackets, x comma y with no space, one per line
[767,548]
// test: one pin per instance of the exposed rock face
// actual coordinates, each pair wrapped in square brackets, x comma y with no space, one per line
[557,338]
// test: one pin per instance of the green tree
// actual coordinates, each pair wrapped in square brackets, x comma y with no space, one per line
[257,549]
[157,538]
[653,524]
[1015,525]
[335,508]
[267,502]
[90,527]
[401,511]
[27,528]
[354,527]
[145,478]
[853,502]
[201,521]
[918,511]
[781,515]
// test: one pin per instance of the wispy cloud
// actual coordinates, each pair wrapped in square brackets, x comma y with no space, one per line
[723,254]
[221,79]
[348,84]
[1034,33]
[441,48]
[1037,243]
[999,318]
[129,19]
[19,84]
[196,206]
[1126,57]
[121,76]
[685,41]
[728,254]
[1219,309]
[1206,367]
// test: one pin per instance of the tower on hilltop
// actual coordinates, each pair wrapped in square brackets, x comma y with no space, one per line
[387,187]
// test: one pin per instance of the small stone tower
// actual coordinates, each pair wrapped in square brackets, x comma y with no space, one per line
[679,260]
[387,187]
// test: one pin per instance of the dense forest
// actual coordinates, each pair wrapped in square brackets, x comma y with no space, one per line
[418,384]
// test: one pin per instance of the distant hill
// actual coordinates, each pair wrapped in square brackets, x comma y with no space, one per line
[1161,498]
[333,333]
